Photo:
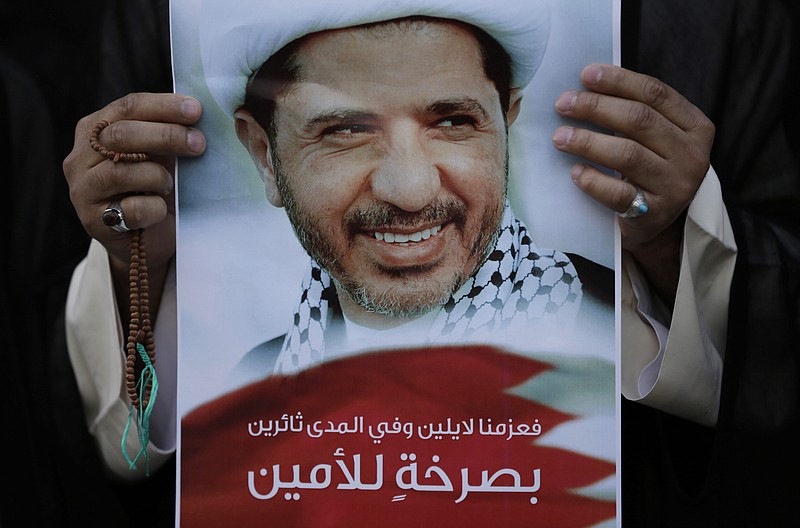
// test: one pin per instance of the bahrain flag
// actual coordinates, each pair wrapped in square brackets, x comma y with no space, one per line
[462,436]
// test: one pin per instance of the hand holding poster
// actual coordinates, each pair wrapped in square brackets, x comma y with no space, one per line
[399,138]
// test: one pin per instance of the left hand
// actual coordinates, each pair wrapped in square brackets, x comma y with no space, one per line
[663,146]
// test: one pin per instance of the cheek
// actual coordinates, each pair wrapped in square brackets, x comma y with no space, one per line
[477,177]
[328,186]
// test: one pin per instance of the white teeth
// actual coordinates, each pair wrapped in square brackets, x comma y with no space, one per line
[400,238]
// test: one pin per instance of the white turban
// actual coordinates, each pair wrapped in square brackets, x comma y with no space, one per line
[238,36]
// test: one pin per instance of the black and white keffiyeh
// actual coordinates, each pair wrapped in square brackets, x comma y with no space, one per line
[518,284]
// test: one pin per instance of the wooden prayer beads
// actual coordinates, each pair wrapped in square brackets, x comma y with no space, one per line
[110,154]
[140,328]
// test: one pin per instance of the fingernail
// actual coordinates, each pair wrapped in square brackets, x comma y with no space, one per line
[592,74]
[563,136]
[576,171]
[190,109]
[196,141]
[566,101]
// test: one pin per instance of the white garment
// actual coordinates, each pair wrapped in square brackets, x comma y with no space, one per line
[95,343]
[679,373]
[676,365]
[237,39]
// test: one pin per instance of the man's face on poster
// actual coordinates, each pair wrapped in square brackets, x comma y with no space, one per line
[390,156]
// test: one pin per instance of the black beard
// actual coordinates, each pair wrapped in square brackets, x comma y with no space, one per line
[382,216]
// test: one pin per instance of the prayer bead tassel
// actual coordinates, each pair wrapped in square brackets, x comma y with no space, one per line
[142,389]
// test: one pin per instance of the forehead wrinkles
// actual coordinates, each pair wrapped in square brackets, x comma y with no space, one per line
[418,26]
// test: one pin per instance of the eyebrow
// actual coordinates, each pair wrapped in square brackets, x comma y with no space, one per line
[339,115]
[444,107]
[460,105]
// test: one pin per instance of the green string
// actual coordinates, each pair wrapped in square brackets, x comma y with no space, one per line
[142,415]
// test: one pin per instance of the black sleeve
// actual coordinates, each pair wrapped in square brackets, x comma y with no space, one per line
[52,470]
[734,60]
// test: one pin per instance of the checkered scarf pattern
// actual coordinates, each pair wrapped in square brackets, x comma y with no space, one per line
[517,284]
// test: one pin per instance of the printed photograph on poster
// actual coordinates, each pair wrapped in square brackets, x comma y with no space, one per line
[393,301]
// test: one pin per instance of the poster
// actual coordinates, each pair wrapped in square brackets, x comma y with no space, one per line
[495,401]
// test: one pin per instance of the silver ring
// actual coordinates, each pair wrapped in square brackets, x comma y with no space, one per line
[114,218]
[638,206]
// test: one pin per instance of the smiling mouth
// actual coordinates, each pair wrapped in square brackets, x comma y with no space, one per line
[400,238]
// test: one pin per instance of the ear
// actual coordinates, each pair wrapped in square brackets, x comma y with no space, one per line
[254,138]
[514,105]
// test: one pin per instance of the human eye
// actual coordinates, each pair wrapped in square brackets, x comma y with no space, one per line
[456,127]
[456,121]
[346,130]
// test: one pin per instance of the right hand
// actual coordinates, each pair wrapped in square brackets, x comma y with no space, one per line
[157,124]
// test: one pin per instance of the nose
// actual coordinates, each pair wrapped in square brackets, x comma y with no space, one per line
[407,176]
